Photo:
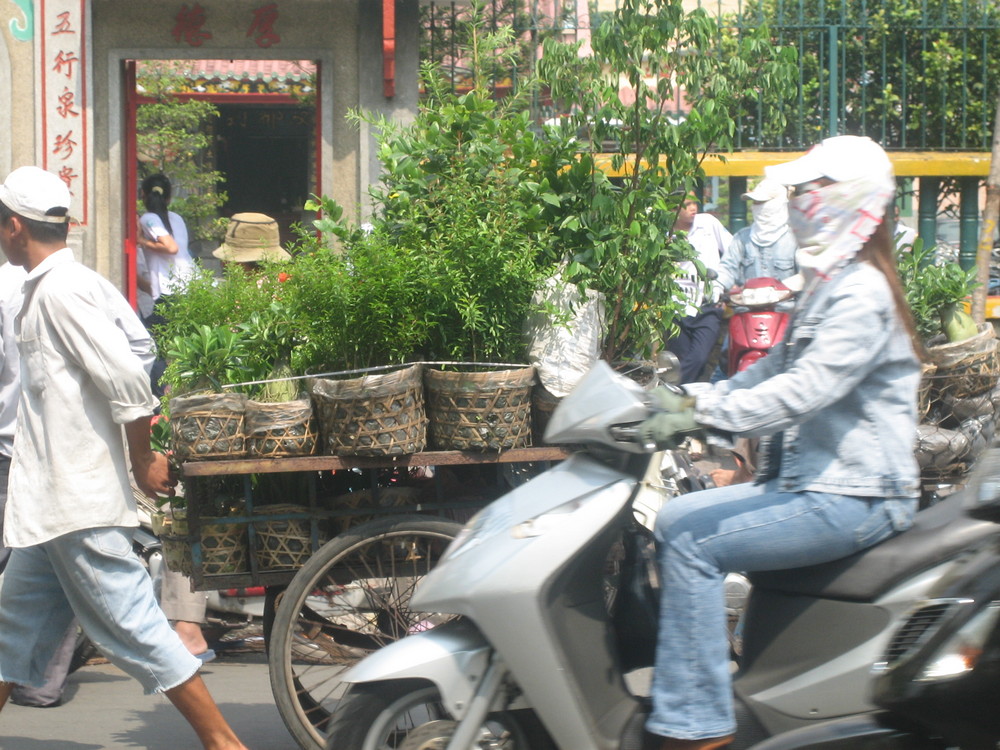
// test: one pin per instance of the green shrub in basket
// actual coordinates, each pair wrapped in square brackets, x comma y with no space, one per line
[936,292]
[207,359]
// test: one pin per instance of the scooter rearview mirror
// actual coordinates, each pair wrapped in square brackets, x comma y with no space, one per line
[668,368]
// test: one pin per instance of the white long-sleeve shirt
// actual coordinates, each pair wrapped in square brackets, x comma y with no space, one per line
[710,240]
[167,273]
[84,357]
[11,280]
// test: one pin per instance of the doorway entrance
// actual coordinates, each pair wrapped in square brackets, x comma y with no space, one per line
[264,140]
[265,153]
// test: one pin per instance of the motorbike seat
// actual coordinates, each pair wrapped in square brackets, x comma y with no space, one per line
[938,533]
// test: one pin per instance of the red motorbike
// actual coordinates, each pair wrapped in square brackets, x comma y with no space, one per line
[758,321]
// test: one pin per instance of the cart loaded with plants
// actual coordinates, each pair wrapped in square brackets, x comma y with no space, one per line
[337,491]
[346,497]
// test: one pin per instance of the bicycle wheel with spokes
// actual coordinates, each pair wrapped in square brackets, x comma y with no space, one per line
[351,598]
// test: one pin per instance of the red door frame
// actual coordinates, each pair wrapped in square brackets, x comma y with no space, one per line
[130,179]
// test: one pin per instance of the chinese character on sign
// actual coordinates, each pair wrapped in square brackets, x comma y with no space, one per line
[67,104]
[63,26]
[188,25]
[65,60]
[64,145]
[68,175]
[263,25]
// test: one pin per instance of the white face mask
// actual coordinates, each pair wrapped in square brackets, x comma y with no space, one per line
[770,221]
[831,223]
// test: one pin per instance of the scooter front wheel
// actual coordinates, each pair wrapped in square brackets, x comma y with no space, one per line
[408,715]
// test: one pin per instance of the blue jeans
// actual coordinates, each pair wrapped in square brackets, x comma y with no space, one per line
[95,574]
[741,528]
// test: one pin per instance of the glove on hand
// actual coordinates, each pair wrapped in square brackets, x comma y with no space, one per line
[678,417]
[669,400]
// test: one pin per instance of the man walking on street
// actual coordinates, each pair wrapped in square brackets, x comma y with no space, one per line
[57,671]
[70,508]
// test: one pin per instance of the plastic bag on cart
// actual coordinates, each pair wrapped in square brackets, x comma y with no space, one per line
[564,334]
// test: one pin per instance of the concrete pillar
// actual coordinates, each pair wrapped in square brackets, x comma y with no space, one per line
[968,222]
[927,210]
[737,206]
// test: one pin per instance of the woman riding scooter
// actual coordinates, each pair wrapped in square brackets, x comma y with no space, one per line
[837,398]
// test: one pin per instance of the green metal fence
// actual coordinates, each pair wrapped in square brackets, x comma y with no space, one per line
[912,74]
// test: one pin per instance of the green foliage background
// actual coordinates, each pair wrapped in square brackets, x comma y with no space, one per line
[173,137]
[478,205]
[912,74]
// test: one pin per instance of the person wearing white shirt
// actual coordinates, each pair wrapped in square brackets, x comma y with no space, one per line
[699,328]
[70,508]
[163,240]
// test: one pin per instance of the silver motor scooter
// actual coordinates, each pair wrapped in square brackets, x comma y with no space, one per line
[554,613]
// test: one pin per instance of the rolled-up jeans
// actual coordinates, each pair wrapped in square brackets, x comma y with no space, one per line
[742,528]
[95,574]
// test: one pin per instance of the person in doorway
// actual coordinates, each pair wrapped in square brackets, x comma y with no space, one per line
[844,379]
[70,508]
[186,610]
[699,326]
[163,239]
[163,243]
[251,239]
[11,298]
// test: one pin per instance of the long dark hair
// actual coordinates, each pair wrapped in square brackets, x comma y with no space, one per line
[880,251]
[156,197]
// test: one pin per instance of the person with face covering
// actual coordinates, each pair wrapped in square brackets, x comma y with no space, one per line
[766,247]
[837,398]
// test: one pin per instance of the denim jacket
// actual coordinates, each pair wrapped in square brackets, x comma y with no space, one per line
[744,259]
[841,390]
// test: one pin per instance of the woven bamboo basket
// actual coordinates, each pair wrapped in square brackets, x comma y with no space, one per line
[282,543]
[172,530]
[375,415]
[207,426]
[223,547]
[387,497]
[966,368]
[279,430]
[488,410]
[925,390]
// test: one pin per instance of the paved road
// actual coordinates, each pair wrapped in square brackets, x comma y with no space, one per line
[106,709]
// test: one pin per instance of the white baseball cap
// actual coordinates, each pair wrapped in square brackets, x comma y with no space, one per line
[766,190]
[31,191]
[841,159]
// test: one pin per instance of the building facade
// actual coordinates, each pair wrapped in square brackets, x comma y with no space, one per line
[64,89]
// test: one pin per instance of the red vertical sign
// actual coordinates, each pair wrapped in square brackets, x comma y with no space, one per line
[62,41]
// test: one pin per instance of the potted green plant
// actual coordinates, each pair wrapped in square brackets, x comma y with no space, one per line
[206,422]
[936,293]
